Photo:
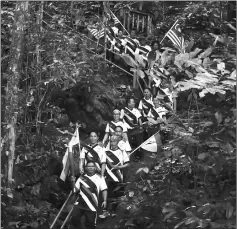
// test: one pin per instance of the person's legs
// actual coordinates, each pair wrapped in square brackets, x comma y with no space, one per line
[90,219]
[77,214]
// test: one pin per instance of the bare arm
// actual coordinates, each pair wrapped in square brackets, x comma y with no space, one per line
[121,166]
[104,195]
[140,121]
[103,166]
[105,138]
[81,165]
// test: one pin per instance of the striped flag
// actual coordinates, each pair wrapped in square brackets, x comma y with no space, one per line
[97,33]
[175,35]
[116,20]
[66,164]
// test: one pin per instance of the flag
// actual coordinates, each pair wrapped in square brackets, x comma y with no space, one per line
[175,35]
[66,164]
[116,20]
[97,33]
[153,144]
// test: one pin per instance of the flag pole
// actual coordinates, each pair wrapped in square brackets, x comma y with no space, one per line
[119,22]
[169,30]
[139,146]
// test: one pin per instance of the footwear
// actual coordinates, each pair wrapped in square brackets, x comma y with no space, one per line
[104,215]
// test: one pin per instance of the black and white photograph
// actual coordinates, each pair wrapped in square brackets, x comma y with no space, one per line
[118,114]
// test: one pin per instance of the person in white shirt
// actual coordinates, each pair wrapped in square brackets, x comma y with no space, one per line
[156,116]
[110,127]
[145,104]
[117,161]
[122,144]
[93,152]
[133,121]
[89,186]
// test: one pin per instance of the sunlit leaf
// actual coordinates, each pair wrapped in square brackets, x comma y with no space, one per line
[202,156]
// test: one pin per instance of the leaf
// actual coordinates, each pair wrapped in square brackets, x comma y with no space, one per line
[190,75]
[194,53]
[165,210]
[169,215]
[145,169]
[179,224]
[202,156]
[206,53]
[229,210]
[130,223]
[232,27]
[218,117]
[131,194]
[206,208]
[14,223]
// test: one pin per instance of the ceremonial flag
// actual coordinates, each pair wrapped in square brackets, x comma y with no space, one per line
[66,164]
[116,20]
[97,33]
[153,144]
[175,35]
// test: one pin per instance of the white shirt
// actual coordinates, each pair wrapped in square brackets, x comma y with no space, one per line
[97,179]
[135,111]
[123,159]
[99,150]
[140,106]
[160,111]
[119,123]
[124,146]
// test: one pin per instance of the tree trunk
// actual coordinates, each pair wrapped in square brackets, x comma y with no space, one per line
[13,85]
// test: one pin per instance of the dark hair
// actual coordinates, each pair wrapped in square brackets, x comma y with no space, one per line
[147,89]
[90,162]
[119,127]
[93,131]
[128,100]
[155,42]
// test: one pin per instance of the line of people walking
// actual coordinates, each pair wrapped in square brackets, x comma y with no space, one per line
[102,164]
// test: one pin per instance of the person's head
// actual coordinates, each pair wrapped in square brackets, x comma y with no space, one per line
[133,33]
[131,103]
[114,142]
[119,131]
[94,137]
[147,93]
[155,45]
[116,115]
[120,33]
[90,168]
[156,102]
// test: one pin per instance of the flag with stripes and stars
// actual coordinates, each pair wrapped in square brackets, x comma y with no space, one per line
[175,35]
[116,20]
[97,33]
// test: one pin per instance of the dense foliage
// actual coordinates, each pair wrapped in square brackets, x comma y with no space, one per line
[191,184]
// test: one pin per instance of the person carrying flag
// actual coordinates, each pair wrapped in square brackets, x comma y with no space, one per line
[117,161]
[145,104]
[133,121]
[156,116]
[110,127]
[93,152]
[122,144]
[88,186]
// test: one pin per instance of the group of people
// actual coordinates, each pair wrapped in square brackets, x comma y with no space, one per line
[102,164]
